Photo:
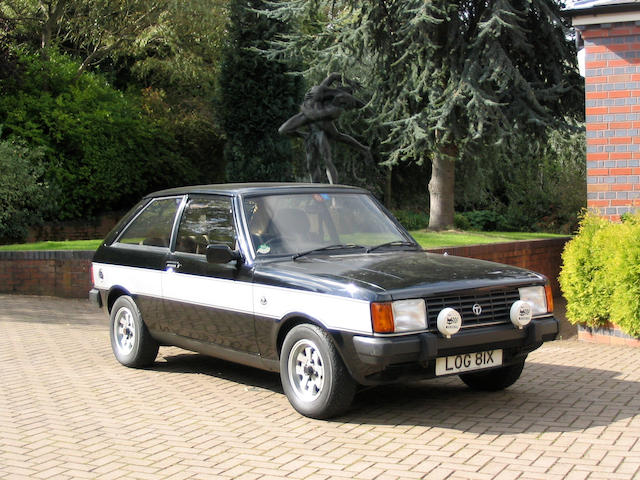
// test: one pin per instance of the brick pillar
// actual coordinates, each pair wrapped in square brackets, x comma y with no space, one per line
[613,117]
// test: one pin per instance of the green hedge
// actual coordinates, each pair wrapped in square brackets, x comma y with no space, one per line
[600,277]
[100,150]
[23,196]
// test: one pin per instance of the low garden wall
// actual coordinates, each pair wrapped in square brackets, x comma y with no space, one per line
[607,335]
[67,273]
[542,256]
[59,273]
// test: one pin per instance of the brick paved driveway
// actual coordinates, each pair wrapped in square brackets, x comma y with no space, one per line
[69,410]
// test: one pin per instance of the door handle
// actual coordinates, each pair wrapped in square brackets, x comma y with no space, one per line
[172,265]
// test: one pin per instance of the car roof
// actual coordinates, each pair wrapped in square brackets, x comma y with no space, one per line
[256,189]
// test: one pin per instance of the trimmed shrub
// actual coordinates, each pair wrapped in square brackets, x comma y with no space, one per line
[625,277]
[600,276]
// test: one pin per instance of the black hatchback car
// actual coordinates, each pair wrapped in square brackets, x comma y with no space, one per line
[318,282]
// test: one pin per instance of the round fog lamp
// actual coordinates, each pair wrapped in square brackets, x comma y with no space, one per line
[521,313]
[449,322]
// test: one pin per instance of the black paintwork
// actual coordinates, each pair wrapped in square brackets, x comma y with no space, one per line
[393,275]
[384,275]
[254,189]
[225,328]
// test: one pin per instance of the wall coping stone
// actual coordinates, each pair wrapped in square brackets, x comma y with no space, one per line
[46,254]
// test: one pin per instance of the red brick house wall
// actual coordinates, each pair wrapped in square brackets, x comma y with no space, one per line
[612,85]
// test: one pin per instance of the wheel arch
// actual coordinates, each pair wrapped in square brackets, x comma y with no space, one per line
[115,293]
[291,321]
[294,319]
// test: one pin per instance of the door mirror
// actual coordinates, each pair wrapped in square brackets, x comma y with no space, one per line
[222,254]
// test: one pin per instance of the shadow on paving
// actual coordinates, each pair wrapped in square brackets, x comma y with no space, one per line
[547,398]
[196,363]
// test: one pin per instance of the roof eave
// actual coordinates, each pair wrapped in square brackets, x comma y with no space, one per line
[604,14]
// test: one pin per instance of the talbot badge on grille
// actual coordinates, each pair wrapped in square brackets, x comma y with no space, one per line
[477,309]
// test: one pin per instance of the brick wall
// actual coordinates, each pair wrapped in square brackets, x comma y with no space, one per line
[613,117]
[542,256]
[67,273]
[59,273]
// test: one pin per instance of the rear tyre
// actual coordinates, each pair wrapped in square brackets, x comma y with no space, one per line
[495,379]
[131,341]
[313,375]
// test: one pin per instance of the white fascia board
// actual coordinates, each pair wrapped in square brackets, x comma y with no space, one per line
[597,18]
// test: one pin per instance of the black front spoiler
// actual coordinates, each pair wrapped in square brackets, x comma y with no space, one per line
[380,352]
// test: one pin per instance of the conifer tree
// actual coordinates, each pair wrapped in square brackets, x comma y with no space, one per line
[445,77]
[256,97]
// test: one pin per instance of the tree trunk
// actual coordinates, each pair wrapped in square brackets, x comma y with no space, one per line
[53,15]
[387,188]
[441,188]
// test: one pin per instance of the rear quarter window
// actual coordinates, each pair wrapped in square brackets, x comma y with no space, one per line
[153,226]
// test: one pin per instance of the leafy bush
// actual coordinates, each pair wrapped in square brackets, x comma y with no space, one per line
[486,220]
[625,277]
[629,218]
[22,193]
[600,277]
[537,184]
[411,219]
[416,220]
[461,222]
[101,152]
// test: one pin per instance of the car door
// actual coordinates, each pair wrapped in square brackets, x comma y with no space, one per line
[205,301]
[136,259]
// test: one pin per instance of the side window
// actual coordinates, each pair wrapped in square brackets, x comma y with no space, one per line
[206,220]
[153,226]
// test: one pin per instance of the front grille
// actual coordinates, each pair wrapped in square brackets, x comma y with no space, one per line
[495,307]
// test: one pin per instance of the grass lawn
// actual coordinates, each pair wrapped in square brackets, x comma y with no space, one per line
[74,245]
[426,239]
[454,238]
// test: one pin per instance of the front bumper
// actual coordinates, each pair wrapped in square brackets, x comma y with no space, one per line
[377,354]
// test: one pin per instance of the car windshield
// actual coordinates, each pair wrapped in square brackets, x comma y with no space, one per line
[295,224]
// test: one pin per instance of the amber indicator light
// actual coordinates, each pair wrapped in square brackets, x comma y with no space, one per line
[382,318]
[549,294]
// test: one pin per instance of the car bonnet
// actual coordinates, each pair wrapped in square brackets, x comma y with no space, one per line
[391,275]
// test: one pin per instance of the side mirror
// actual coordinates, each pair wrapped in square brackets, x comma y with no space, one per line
[222,254]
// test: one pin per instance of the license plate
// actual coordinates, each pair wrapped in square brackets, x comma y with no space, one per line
[467,362]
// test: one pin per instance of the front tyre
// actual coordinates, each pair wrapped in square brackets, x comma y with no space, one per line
[313,375]
[131,342]
[494,379]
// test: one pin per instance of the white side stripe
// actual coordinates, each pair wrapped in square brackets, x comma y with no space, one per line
[334,312]
[208,291]
[138,281]
[340,313]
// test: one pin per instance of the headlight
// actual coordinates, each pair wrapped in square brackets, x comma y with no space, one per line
[409,315]
[399,316]
[537,298]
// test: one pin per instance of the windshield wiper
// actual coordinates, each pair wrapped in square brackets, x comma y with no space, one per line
[338,246]
[395,243]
